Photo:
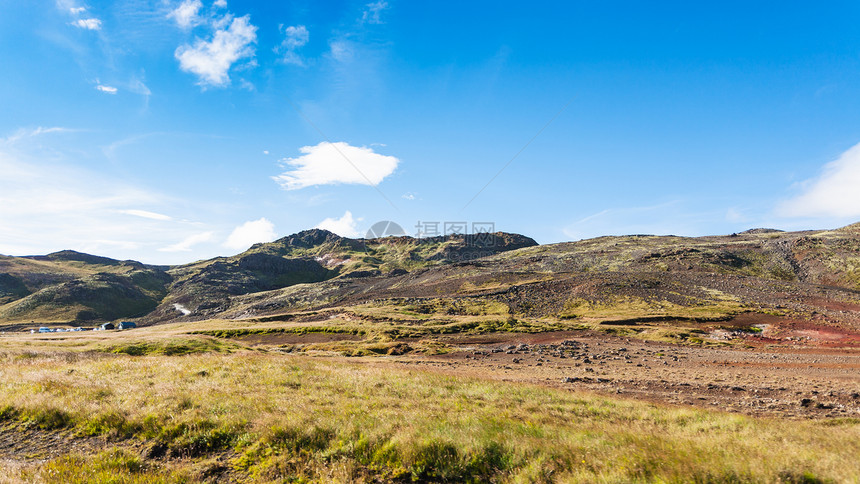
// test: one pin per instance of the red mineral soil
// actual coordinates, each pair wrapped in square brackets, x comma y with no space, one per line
[798,334]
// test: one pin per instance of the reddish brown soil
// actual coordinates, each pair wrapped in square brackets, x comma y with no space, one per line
[777,381]
[800,333]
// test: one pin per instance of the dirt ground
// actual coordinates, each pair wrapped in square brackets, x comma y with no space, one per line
[792,368]
[795,380]
[22,448]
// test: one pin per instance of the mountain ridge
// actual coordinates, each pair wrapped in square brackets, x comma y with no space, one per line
[74,287]
[807,274]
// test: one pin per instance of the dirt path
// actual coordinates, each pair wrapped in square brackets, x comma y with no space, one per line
[35,445]
[22,449]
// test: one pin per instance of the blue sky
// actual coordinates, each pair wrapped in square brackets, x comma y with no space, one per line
[169,131]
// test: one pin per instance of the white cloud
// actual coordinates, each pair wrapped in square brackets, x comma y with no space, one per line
[220,3]
[187,243]
[71,8]
[295,37]
[250,233]
[146,214]
[834,193]
[342,50]
[335,163]
[211,61]
[106,89]
[88,23]
[371,15]
[345,226]
[186,14]
[408,196]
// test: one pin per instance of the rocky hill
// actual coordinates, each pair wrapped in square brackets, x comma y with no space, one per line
[75,288]
[810,275]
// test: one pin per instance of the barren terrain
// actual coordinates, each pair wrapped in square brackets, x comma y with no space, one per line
[786,382]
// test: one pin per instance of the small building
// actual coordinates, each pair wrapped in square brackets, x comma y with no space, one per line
[107,326]
[127,325]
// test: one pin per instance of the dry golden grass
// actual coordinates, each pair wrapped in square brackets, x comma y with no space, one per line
[267,417]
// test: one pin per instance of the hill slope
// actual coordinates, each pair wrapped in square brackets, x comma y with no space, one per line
[77,288]
[809,275]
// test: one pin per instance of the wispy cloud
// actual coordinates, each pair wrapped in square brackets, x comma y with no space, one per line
[146,214]
[335,163]
[187,243]
[835,193]
[250,233]
[737,215]
[48,202]
[371,14]
[52,206]
[672,217]
[77,11]
[110,150]
[106,89]
[68,6]
[25,133]
[138,87]
[63,191]
[88,23]
[342,50]
[345,226]
[295,37]
[211,60]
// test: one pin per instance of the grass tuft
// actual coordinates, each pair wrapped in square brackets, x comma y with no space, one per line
[46,418]
[176,347]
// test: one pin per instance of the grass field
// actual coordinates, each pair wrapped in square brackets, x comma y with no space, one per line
[199,408]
